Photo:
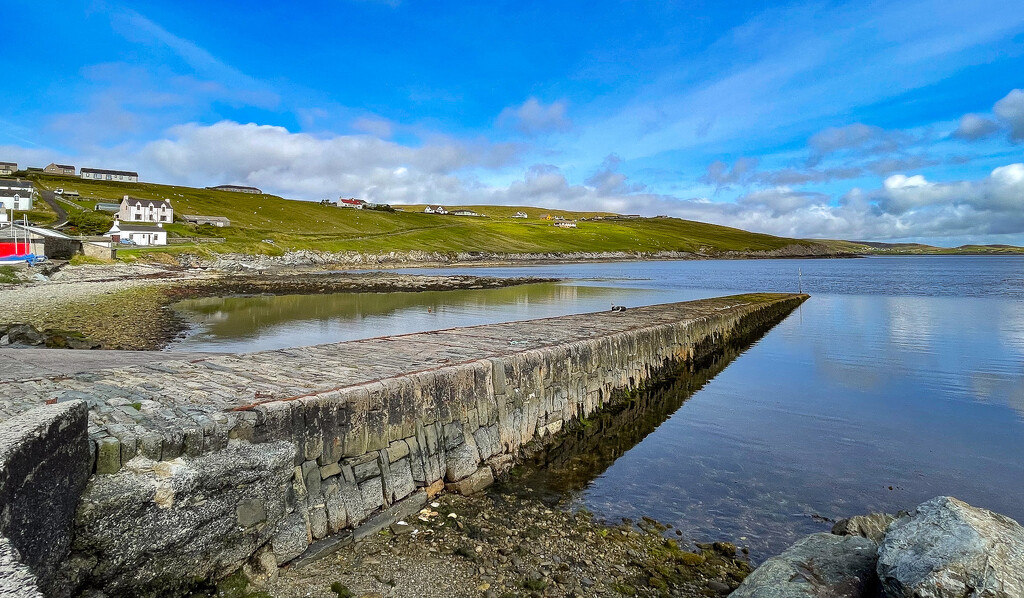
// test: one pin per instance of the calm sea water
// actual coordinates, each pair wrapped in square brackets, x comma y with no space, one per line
[902,378]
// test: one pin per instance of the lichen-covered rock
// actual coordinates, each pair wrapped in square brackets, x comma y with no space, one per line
[948,549]
[154,527]
[44,465]
[16,580]
[818,566]
[871,526]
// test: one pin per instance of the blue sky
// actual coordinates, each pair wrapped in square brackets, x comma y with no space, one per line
[876,121]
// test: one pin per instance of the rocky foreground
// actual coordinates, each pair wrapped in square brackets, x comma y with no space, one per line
[943,549]
[502,545]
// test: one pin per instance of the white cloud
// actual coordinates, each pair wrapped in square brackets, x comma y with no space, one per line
[534,118]
[973,127]
[379,127]
[858,138]
[1010,110]
[310,166]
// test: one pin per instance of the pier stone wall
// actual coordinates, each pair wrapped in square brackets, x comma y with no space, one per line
[266,481]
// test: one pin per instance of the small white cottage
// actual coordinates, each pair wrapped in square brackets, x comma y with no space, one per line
[137,234]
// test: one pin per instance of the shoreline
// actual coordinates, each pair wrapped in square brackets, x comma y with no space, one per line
[234,262]
[128,306]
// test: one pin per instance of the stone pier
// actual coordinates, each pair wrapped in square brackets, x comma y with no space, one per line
[168,473]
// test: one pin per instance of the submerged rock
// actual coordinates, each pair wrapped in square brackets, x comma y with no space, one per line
[818,566]
[949,549]
[871,526]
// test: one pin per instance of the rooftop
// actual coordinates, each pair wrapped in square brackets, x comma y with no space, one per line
[105,171]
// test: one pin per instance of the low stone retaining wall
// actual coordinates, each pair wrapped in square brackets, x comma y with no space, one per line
[296,452]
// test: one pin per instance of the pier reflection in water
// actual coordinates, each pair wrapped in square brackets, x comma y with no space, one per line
[557,471]
[260,323]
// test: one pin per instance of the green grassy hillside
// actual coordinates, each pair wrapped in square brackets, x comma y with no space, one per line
[291,225]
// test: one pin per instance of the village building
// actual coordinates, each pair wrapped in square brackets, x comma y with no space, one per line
[137,234]
[100,174]
[8,168]
[112,208]
[53,168]
[133,209]
[218,221]
[464,213]
[237,189]
[16,194]
[17,239]
[566,224]
[520,215]
[435,210]
[351,202]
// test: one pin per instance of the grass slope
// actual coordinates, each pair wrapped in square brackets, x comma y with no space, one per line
[293,225]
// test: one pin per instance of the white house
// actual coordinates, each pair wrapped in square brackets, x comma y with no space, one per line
[520,215]
[566,224]
[100,174]
[138,234]
[145,210]
[464,213]
[16,195]
[435,210]
[351,202]
[8,168]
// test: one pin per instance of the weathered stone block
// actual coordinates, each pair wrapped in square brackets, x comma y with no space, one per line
[399,482]
[473,483]
[108,455]
[332,469]
[352,498]
[461,461]
[273,422]
[291,538]
[372,493]
[355,438]
[311,479]
[337,516]
[192,445]
[151,445]
[365,467]
[313,416]
[397,450]
[403,509]
[318,525]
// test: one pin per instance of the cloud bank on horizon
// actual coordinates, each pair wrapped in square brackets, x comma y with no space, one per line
[869,121]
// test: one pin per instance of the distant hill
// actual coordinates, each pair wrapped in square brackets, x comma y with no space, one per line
[268,224]
[878,248]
